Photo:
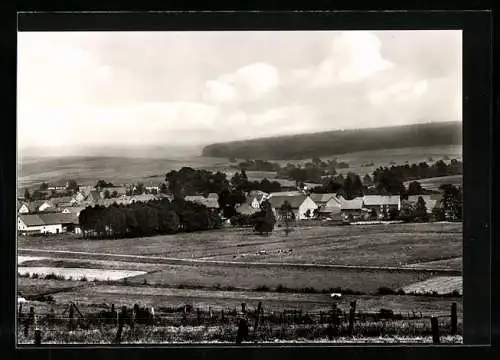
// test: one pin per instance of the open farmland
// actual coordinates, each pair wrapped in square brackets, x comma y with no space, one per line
[364,245]
[435,183]
[439,284]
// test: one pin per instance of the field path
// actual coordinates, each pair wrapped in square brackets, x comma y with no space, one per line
[181,261]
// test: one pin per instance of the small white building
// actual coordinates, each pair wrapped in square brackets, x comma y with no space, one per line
[46,223]
[301,205]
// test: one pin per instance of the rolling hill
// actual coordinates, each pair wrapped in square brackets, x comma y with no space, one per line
[303,146]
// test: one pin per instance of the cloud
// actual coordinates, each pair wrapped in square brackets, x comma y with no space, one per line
[80,89]
[248,83]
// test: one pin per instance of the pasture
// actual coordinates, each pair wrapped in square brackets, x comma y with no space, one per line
[363,245]
[435,183]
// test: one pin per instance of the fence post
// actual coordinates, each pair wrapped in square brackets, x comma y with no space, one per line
[52,316]
[198,316]
[71,315]
[352,313]
[121,320]
[222,315]
[20,312]
[243,308]
[38,337]
[454,318]
[435,330]
[257,317]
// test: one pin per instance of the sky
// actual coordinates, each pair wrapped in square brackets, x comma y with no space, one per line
[79,90]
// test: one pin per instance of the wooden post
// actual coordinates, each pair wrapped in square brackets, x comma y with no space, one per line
[435,330]
[71,316]
[121,320]
[242,331]
[210,312]
[52,316]
[352,313]
[20,312]
[198,316]
[257,317]
[454,318]
[243,308]
[222,315]
[38,337]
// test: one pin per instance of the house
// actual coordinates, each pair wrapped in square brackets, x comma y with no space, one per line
[63,201]
[255,198]
[379,203]
[74,210]
[431,201]
[322,199]
[332,208]
[46,223]
[93,197]
[143,198]
[22,208]
[246,209]
[46,206]
[351,208]
[213,196]
[79,197]
[301,205]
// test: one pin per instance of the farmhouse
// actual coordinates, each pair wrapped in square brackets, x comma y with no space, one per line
[63,201]
[301,205]
[322,199]
[49,223]
[431,201]
[332,208]
[381,203]
[351,208]
[255,198]
[246,209]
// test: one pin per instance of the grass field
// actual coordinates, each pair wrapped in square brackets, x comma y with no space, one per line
[375,245]
[439,284]
[435,183]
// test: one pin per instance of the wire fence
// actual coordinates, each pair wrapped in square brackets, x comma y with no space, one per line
[139,324]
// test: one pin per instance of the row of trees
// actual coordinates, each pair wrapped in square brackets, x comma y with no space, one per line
[147,219]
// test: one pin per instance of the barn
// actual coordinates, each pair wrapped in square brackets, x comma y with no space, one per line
[47,223]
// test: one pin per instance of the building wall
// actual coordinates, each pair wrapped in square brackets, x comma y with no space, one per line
[51,229]
[308,204]
[44,207]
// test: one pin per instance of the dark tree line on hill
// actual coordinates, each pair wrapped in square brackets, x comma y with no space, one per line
[188,181]
[147,219]
[339,142]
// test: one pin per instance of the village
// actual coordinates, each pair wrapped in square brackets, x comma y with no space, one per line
[60,214]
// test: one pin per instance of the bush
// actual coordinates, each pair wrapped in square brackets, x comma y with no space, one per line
[262,288]
[83,278]
[53,276]
[385,291]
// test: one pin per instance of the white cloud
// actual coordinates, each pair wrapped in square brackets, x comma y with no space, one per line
[248,83]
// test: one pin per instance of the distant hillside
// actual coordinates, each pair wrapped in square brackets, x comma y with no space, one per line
[339,142]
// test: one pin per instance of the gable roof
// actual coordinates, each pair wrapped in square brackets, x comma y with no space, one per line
[294,201]
[60,200]
[321,198]
[286,193]
[48,219]
[354,204]
[378,200]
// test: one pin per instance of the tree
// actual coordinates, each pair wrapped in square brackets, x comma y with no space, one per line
[414,188]
[102,184]
[367,180]
[264,220]
[438,214]
[308,214]
[114,194]
[107,195]
[163,188]
[44,186]
[287,215]
[139,189]
[452,202]
[27,195]
[72,186]
[420,211]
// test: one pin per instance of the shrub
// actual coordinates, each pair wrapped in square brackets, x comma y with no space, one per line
[53,276]
[385,291]
[83,278]
[262,288]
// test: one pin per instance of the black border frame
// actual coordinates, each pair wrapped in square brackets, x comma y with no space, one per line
[477,29]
